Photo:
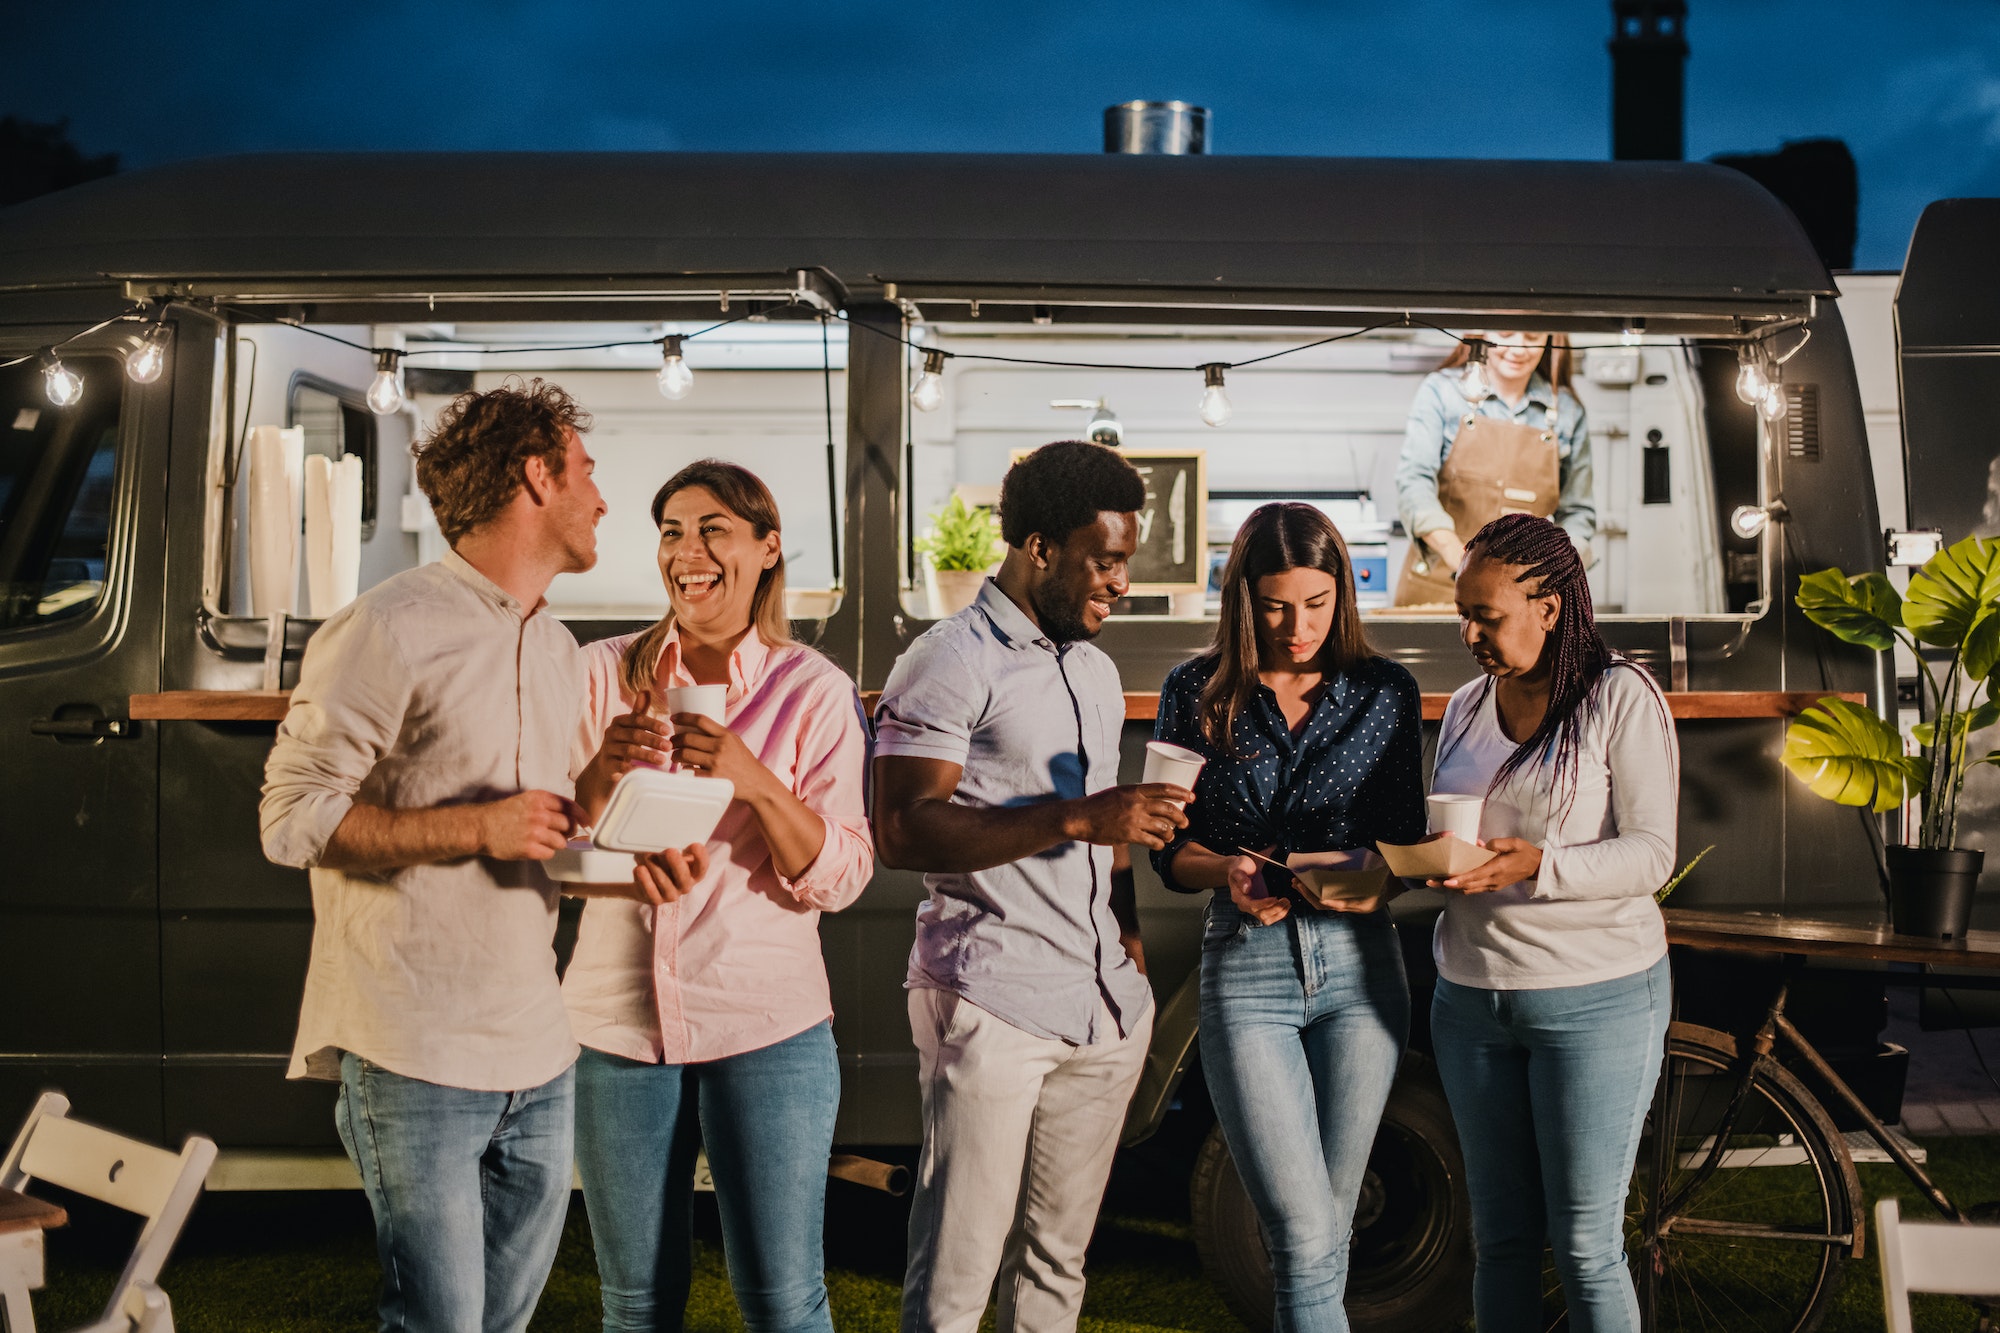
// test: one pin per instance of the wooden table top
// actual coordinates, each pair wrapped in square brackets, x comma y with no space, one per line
[1868,939]
[1140,706]
[18,1212]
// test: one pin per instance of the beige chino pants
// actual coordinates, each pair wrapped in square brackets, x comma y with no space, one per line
[1019,1132]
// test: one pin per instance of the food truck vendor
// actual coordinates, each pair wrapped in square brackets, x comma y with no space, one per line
[1495,430]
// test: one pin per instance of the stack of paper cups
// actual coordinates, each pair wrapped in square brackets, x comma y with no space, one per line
[333,532]
[277,465]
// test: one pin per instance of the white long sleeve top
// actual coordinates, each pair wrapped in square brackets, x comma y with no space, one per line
[1589,915]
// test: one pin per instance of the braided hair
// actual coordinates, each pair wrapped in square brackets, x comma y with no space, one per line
[1576,653]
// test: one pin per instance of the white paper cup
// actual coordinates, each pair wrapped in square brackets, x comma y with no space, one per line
[1166,762]
[707,700]
[1456,815]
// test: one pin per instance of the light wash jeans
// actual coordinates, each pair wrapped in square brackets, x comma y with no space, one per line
[1550,1090]
[766,1118]
[1019,1133]
[1302,1028]
[469,1191]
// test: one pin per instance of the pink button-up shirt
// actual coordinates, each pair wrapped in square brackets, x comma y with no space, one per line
[735,966]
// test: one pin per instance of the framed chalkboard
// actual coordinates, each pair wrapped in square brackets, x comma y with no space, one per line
[1173,525]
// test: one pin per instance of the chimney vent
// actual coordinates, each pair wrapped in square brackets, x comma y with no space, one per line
[1648,79]
[1156,127]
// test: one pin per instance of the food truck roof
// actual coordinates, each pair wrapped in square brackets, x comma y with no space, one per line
[1597,239]
[1949,298]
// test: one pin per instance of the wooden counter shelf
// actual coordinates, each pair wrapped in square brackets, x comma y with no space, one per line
[1692,705]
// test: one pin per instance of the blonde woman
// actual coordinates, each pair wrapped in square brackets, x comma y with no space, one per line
[705,1020]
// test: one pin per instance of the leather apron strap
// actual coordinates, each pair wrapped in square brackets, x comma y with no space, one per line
[1495,467]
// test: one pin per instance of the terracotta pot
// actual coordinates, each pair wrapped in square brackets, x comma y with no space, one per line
[956,590]
[1930,890]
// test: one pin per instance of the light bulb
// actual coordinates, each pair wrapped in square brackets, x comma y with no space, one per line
[1747,521]
[1632,333]
[1473,384]
[385,395]
[1750,381]
[675,379]
[1215,405]
[927,394]
[145,362]
[58,380]
[1772,405]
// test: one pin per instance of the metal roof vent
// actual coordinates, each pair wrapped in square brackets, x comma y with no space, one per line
[1156,127]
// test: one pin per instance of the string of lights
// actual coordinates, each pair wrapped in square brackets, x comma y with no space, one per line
[1758,380]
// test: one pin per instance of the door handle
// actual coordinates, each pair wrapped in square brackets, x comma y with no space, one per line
[84,728]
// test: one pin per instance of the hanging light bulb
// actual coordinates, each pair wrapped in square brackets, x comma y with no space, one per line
[1474,385]
[927,394]
[1747,521]
[1215,405]
[675,379]
[1750,379]
[144,363]
[58,380]
[1772,405]
[385,395]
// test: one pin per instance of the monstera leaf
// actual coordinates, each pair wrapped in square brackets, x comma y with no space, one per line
[1955,590]
[1848,755]
[1865,609]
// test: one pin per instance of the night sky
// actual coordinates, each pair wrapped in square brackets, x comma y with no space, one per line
[1912,86]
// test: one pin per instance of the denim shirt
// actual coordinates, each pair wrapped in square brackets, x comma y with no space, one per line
[1032,942]
[1353,775]
[1435,414]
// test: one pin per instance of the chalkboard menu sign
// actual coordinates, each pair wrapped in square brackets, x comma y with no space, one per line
[1173,525]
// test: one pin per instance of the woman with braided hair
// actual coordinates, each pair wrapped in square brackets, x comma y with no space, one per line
[1550,1014]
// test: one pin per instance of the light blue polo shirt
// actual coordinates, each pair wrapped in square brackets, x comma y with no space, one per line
[1033,942]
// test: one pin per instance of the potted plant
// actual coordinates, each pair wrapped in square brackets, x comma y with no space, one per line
[962,543]
[1848,754]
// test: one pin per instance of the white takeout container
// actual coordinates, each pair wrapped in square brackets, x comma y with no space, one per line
[649,811]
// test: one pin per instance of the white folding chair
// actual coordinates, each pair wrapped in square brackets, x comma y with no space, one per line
[138,1177]
[1955,1258]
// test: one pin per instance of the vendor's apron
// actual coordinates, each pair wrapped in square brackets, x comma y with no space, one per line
[1495,467]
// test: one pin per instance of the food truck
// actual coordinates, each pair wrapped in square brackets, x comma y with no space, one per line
[872,334]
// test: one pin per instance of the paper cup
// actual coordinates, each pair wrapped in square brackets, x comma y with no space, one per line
[1456,815]
[707,700]
[1166,762]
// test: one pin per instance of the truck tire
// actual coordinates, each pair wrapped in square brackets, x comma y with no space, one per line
[1410,1263]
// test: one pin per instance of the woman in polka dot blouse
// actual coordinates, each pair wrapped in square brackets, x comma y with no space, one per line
[1314,744]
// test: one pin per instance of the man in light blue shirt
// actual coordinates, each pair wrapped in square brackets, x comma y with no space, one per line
[995,773]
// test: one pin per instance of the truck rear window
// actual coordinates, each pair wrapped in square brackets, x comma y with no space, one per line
[57,465]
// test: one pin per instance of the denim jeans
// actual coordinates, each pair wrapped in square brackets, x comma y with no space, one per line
[1302,1028]
[766,1118]
[469,1191]
[1550,1090]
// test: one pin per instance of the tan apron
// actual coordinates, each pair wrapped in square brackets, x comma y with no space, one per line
[1495,467]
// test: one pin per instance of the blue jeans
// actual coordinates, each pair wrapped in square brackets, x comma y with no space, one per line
[1302,1028]
[766,1117]
[469,1191]
[1550,1090]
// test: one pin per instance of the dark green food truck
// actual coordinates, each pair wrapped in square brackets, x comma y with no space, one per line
[155,958]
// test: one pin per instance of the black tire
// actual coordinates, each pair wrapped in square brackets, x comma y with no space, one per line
[1410,1264]
[1786,1168]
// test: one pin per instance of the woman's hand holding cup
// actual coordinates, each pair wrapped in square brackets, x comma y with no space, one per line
[634,739]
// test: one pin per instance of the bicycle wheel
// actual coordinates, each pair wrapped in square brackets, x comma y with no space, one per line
[1741,1218]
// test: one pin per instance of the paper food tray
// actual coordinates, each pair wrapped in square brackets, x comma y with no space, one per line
[1326,877]
[1436,857]
[650,811]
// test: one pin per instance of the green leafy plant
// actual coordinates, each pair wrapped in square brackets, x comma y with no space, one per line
[963,537]
[1848,754]
[1660,894]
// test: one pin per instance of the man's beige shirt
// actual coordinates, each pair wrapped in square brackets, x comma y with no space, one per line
[430,689]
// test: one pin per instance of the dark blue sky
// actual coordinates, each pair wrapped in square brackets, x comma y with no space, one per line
[1912,85]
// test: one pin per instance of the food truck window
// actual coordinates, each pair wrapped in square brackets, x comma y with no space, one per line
[1330,426]
[336,421]
[57,466]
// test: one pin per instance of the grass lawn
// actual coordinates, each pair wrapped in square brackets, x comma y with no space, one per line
[305,1263]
